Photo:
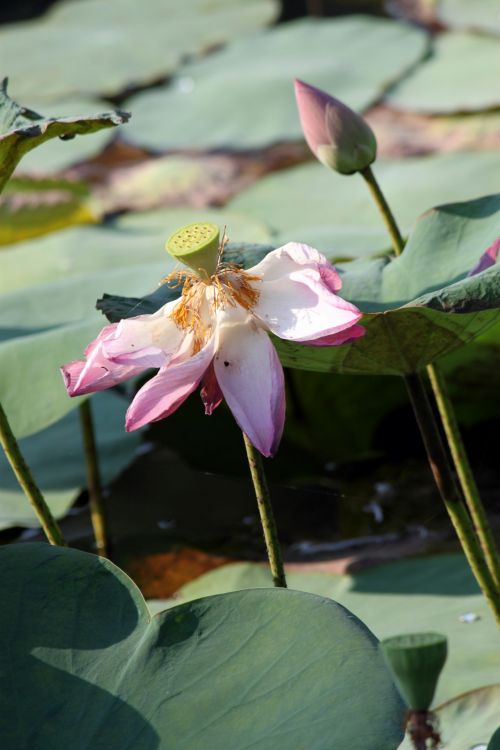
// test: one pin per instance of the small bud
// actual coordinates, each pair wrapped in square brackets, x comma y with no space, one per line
[336,135]
[196,245]
[416,661]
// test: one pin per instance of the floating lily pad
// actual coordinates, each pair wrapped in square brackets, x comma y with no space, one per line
[58,155]
[242,97]
[56,458]
[418,307]
[29,208]
[92,47]
[461,75]
[336,214]
[401,597]
[462,14]
[22,129]
[468,721]
[260,668]
[130,240]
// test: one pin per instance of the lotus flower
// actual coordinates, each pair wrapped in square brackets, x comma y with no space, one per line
[337,136]
[216,335]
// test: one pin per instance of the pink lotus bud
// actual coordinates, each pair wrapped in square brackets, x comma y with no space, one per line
[336,135]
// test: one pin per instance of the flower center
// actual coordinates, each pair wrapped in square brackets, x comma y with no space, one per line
[229,286]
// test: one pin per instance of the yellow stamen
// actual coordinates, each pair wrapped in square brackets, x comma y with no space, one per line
[232,287]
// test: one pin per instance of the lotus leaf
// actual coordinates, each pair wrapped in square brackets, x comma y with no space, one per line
[482,14]
[22,129]
[401,597]
[335,213]
[242,96]
[93,48]
[262,668]
[461,75]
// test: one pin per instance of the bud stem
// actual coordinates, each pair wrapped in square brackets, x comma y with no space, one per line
[266,513]
[27,483]
[487,575]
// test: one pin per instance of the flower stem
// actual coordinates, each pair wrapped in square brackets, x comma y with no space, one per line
[385,211]
[27,483]
[467,481]
[266,513]
[486,544]
[97,515]
[448,489]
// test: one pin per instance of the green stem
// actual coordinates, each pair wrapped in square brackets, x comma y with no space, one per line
[467,481]
[449,491]
[385,211]
[450,425]
[97,515]
[27,483]
[266,513]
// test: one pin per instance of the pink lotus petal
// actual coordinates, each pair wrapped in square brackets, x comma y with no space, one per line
[487,259]
[251,378]
[97,373]
[210,393]
[301,307]
[336,339]
[295,256]
[164,393]
[147,339]
[312,104]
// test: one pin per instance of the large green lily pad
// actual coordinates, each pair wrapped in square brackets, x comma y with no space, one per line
[131,240]
[401,597]
[336,213]
[22,130]
[461,75]
[32,207]
[89,667]
[93,47]
[462,14]
[468,721]
[418,307]
[56,458]
[242,96]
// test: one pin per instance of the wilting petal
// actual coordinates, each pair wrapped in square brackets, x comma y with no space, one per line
[251,379]
[97,373]
[210,393]
[300,310]
[336,339]
[294,256]
[147,340]
[164,393]
[487,259]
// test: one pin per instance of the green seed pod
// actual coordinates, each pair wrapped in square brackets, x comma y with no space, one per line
[416,661]
[196,245]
